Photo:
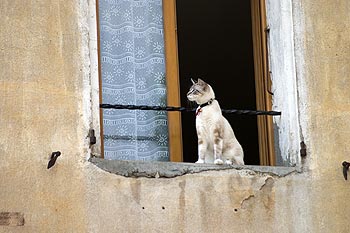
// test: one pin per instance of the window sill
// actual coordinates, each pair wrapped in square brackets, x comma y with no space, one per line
[171,169]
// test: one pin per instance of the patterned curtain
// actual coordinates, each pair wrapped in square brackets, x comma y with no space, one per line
[133,72]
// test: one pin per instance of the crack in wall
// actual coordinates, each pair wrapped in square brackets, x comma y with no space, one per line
[136,169]
[268,182]
[246,199]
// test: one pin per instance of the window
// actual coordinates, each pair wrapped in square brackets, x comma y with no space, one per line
[174,84]
[132,61]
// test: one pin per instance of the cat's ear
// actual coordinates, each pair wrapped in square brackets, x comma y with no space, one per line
[194,82]
[201,82]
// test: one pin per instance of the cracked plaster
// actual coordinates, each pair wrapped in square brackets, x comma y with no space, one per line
[169,169]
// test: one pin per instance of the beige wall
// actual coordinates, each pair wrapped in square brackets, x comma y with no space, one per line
[44,106]
[41,86]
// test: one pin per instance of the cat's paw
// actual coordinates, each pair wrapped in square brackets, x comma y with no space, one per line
[218,161]
[228,162]
[200,161]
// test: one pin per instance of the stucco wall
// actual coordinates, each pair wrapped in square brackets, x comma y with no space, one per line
[45,106]
[42,71]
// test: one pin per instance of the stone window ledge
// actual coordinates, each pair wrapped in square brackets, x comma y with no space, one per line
[171,169]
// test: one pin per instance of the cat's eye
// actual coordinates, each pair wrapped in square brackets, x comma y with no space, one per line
[193,91]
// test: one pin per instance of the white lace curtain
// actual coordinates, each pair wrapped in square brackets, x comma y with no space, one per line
[133,72]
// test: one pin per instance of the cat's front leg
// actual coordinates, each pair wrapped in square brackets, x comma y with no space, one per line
[202,147]
[218,143]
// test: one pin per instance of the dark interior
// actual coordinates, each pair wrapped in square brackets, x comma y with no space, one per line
[215,44]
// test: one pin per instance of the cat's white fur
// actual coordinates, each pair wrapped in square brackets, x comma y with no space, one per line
[216,140]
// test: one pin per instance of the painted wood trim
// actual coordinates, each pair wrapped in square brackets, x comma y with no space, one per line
[172,79]
[268,84]
[100,76]
[262,83]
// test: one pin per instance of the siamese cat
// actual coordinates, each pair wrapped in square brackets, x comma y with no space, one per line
[216,140]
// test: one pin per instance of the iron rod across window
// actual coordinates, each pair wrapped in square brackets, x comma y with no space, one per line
[183,109]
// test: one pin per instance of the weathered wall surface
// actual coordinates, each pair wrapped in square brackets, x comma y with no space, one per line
[44,70]
[226,201]
[323,71]
[41,86]
[323,76]
[284,87]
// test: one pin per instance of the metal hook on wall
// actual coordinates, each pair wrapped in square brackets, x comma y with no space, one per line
[53,159]
[346,166]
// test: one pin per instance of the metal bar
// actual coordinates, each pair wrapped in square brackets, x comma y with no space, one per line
[181,109]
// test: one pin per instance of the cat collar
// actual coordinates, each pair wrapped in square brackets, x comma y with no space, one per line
[199,109]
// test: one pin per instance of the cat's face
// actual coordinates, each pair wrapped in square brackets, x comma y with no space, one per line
[199,92]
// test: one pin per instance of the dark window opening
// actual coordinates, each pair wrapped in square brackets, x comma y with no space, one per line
[215,44]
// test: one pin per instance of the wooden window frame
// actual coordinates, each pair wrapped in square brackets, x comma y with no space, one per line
[172,79]
[262,81]
[100,76]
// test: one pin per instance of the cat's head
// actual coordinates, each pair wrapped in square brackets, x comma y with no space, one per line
[200,92]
